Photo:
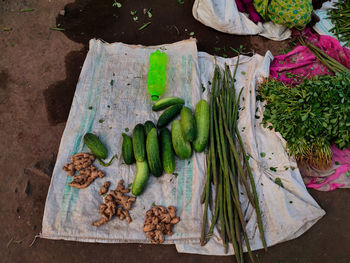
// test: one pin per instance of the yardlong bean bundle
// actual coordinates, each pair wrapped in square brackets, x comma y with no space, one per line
[227,165]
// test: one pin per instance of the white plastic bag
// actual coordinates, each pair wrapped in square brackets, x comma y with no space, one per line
[224,16]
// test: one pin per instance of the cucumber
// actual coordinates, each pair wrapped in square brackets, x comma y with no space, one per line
[95,145]
[188,125]
[149,125]
[168,115]
[182,148]
[167,152]
[141,178]
[201,116]
[153,156]
[166,102]
[139,143]
[127,150]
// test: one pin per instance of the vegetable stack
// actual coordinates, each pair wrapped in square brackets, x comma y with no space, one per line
[227,166]
[340,16]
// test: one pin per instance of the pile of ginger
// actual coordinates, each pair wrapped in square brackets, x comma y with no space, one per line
[159,222]
[116,202]
[82,162]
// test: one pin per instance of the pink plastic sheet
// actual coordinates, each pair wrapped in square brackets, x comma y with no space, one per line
[291,69]
[300,63]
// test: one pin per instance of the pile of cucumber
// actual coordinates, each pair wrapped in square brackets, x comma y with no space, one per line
[155,153]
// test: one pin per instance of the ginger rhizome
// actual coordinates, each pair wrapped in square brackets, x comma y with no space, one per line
[159,222]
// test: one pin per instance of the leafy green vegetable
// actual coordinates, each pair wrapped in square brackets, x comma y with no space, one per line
[310,116]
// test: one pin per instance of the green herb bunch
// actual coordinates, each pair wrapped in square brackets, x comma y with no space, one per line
[310,116]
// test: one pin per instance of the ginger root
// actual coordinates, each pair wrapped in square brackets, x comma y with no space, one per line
[104,188]
[82,162]
[158,223]
[115,203]
[86,177]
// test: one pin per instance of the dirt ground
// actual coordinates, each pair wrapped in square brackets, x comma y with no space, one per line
[39,69]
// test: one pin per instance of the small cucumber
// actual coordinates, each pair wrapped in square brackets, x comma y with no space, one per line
[141,178]
[168,115]
[188,125]
[127,150]
[95,145]
[167,152]
[149,125]
[139,143]
[166,102]
[153,153]
[182,148]
[201,116]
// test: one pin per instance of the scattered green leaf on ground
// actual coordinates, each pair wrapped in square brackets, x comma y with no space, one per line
[56,29]
[101,121]
[26,10]
[191,34]
[135,18]
[153,204]
[347,173]
[262,154]
[112,82]
[117,4]
[243,72]
[149,13]
[180,2]
[145,25]
[133,13]
[90,108]
[126,129]
[7,29]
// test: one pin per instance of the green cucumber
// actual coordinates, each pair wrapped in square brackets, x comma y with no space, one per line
[167,152]
[95,145]
[201,116]
[182,147]
[166,102]
[127,150]
[149,125]
[97,148]
[153,155]
[168,115]
[188,125]
[141,178]
[139,143]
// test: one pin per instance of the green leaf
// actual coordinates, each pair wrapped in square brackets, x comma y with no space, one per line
[90,108]
[129,185]
[26,10]
[243,72]
[112,82]
[126,129]
[117,4]
[347,173]
[145,25]
[175,174]
[135,18]
[191,34]
[149,13]
[133,13]
[278,181]
[274,169]
[262,154]
[180,2]
[101,121]
[153,204]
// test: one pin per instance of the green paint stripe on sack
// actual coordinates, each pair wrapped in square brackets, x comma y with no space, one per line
[78,145]
[189,165]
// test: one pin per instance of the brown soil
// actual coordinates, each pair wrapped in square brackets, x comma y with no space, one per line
[39,69]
